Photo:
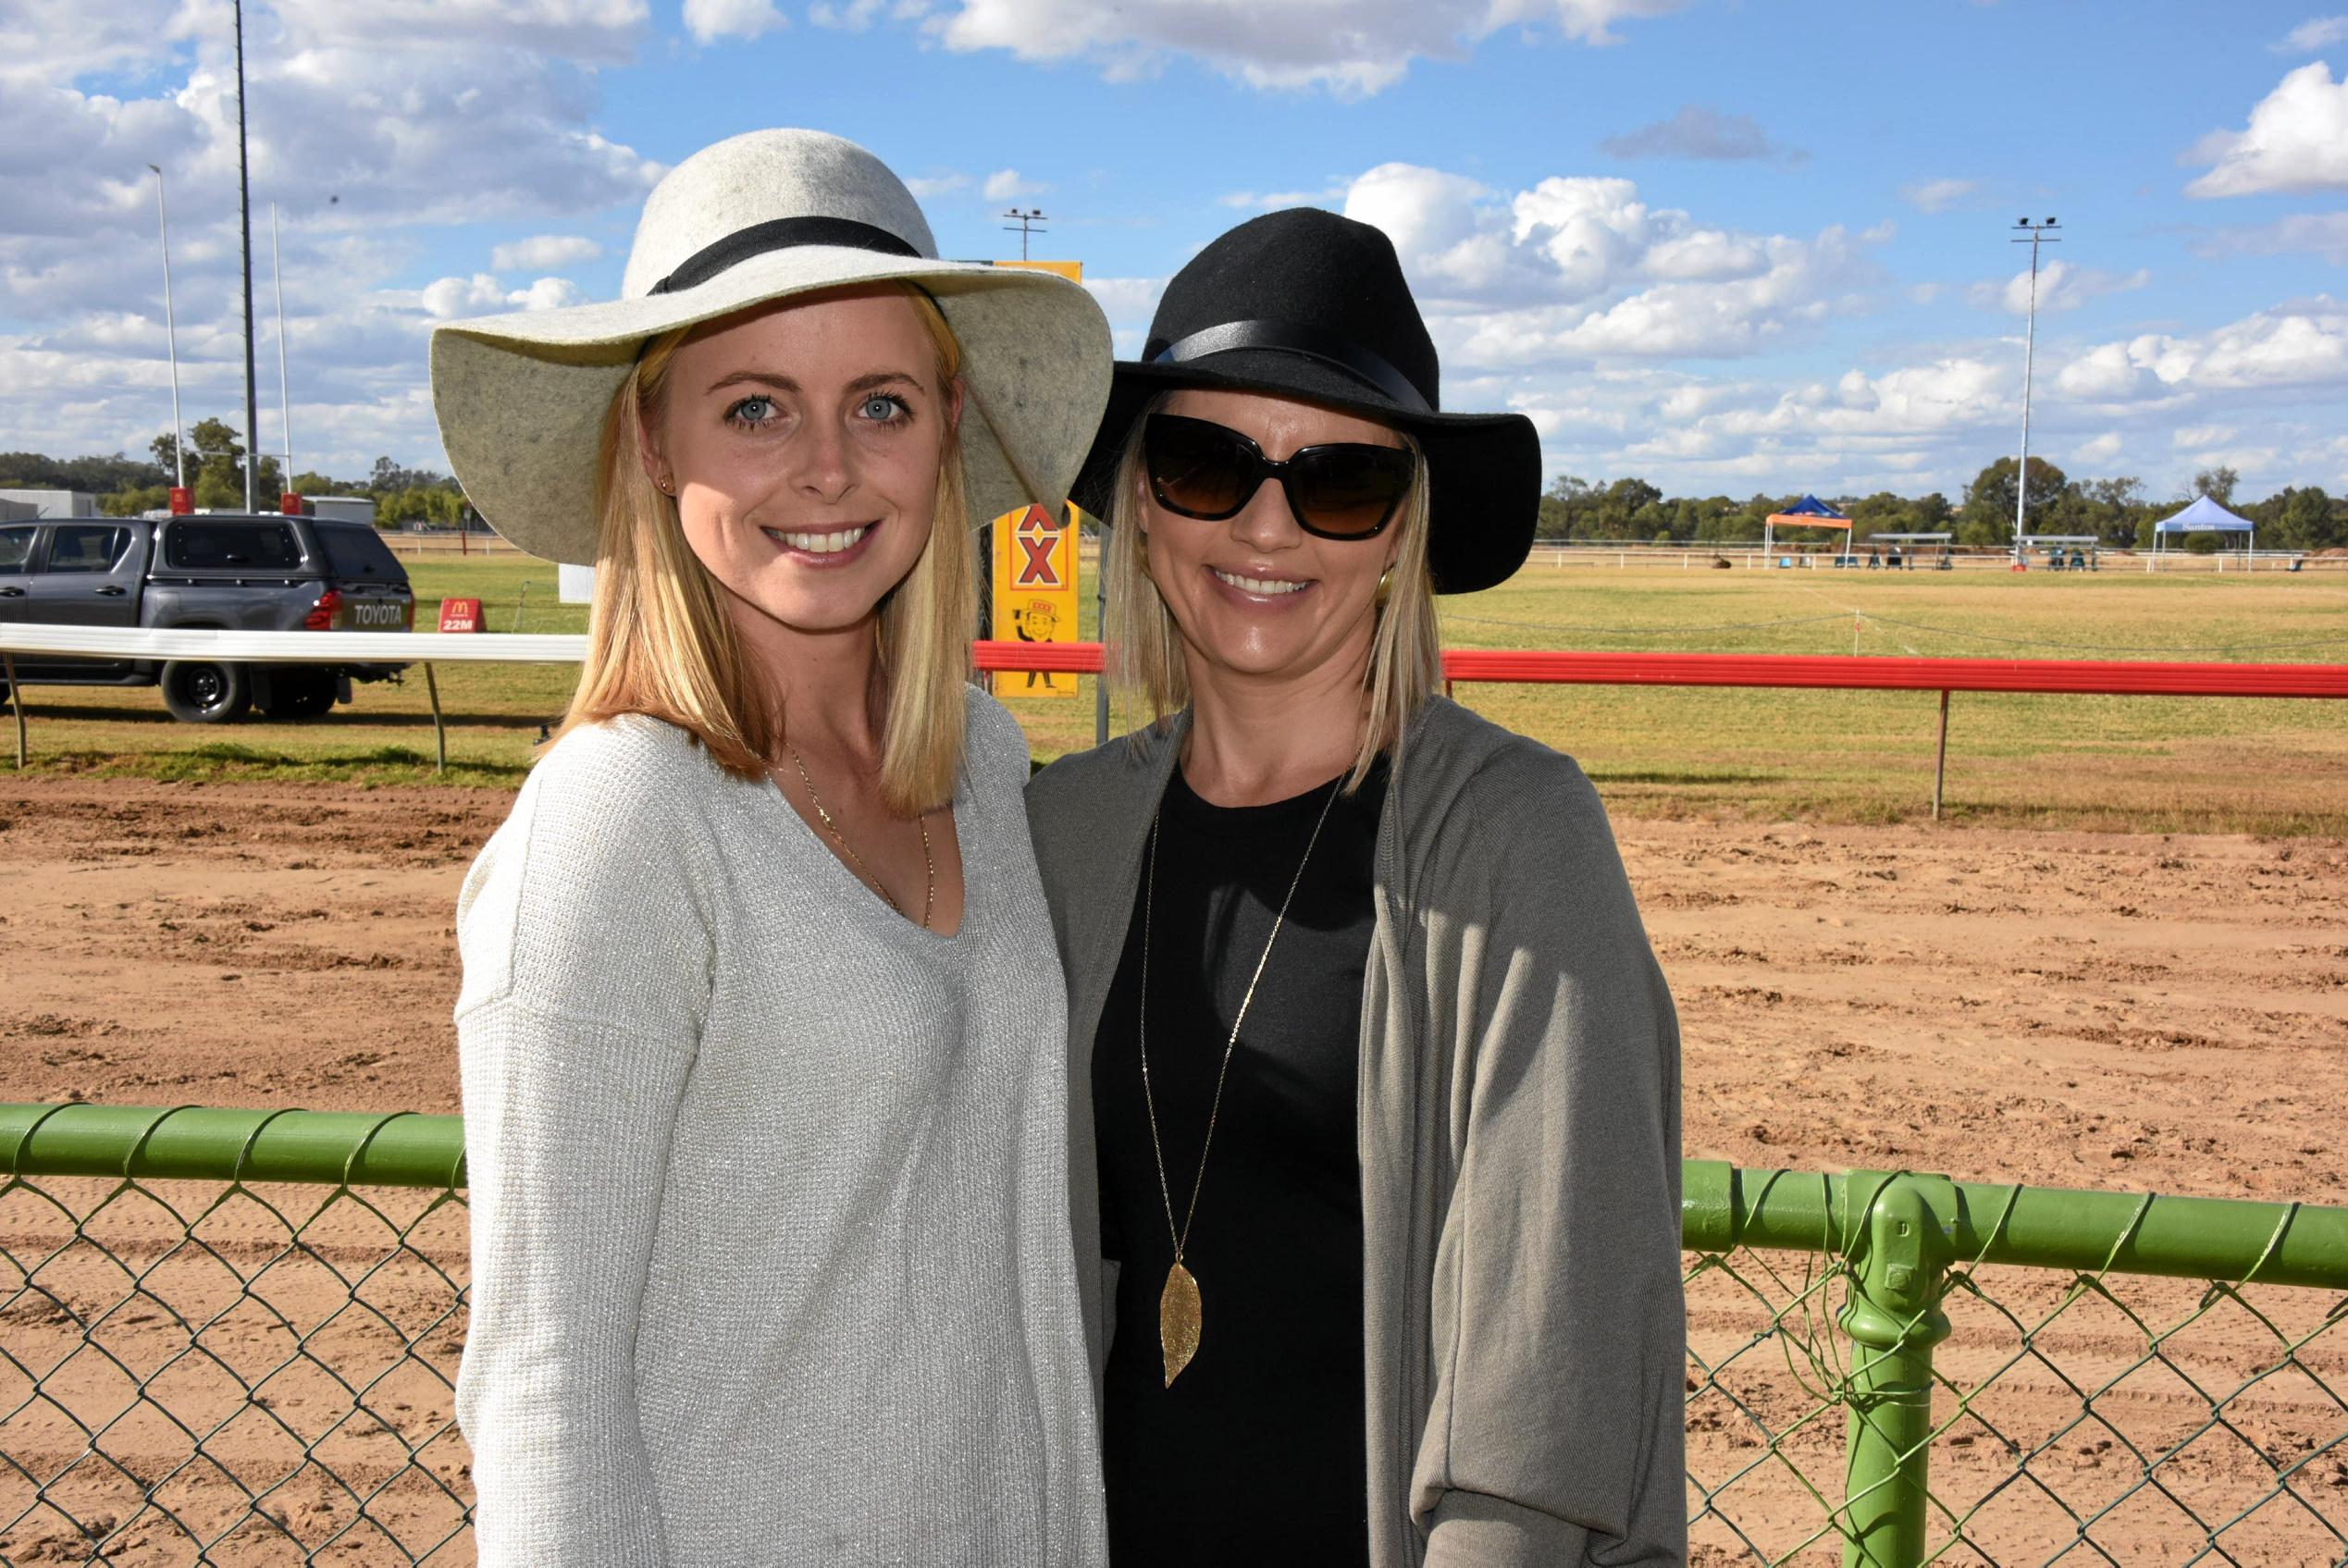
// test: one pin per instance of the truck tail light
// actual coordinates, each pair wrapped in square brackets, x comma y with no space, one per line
[321,616]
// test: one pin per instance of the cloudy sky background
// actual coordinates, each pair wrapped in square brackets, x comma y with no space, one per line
[1725,246]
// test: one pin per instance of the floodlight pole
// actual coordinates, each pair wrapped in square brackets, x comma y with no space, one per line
[2037,235]
[285,387]
[170,336]
[244,231]
[1026,222]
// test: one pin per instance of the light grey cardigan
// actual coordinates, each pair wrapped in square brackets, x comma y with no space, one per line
[1518,1135]
[771,1252]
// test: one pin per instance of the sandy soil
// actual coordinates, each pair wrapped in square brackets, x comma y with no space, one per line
[2144,1013]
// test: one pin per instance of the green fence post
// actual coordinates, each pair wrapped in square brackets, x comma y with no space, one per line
[1899,1250]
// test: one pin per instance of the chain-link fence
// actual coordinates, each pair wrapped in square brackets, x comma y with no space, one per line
[230,1336]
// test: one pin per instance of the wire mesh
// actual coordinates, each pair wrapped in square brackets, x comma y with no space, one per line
[198,1372]
[230,1372]
[2077,1417]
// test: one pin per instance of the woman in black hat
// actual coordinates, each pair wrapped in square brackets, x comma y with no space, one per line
[1379,1073]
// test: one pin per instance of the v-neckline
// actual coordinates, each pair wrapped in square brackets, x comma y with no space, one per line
[961,852]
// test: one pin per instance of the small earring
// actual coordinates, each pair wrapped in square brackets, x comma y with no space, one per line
[1385,585]
[668,485]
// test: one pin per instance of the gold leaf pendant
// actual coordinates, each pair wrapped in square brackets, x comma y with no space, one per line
[1179,1312]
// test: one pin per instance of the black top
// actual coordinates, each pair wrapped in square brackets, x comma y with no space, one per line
[1257,1451]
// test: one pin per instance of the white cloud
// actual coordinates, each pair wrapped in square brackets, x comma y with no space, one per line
[450,298]
[1938,196]
[1578,266]
[2097,451]
[1352,51]
[1273,201]
[925,187]
[1701,132]
[544,251]
[2298,345]
[2316,32]
[2297,139]
[1126,302]
[546,293]
[709,20]
[854,17]
[2324,234]
[2061,287]
[1008,185]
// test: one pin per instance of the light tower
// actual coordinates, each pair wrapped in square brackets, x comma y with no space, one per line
[2034,235]
[1028,222]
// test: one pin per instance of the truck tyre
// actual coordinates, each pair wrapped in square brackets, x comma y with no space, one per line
[296,691]
[200,692]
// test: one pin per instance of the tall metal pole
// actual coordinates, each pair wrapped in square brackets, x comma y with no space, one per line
[285,387]
[244,231]
[170,337]
[2030,350]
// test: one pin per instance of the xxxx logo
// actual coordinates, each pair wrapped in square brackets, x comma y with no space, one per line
[1038,533]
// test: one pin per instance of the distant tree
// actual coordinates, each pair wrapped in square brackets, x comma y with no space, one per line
[2300,519]
[1989,500]
[2218,484]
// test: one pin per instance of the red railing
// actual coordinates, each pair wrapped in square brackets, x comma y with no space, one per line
[2112,677]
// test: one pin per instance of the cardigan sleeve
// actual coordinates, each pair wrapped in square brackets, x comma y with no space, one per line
[1557,1330]
[587,977]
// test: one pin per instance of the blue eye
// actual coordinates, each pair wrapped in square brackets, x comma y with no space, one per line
[885,408]
[754,410]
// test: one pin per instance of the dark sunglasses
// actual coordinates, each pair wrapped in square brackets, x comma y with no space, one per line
[1340,490]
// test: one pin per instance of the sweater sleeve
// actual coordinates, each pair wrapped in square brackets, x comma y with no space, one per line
[1557,1326]
[587,976]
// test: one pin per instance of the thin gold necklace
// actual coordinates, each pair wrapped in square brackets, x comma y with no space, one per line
[929,863]
[1180,1307]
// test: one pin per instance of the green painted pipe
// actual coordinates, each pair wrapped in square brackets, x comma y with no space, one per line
[2029,1227]
[1723,1207]
[202,1143]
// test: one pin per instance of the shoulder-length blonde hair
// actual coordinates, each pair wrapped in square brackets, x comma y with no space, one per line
[660,642]
[1144,644]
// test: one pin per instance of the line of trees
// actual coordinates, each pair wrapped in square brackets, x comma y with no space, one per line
[126,485]
[2115,511]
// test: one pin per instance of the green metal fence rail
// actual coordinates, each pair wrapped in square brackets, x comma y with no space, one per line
[231,1337]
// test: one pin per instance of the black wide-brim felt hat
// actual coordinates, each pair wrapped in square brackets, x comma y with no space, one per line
[1305,303]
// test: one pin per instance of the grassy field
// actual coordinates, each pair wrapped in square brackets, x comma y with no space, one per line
[2152,764]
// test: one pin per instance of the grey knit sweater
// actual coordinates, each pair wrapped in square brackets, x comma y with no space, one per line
[771,1247]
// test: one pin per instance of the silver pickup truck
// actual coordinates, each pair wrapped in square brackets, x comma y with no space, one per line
[230,573]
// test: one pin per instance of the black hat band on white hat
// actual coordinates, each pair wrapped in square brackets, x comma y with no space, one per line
[1295,337]
[780,234]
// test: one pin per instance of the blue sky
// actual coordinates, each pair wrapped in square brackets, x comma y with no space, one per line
[1727,247]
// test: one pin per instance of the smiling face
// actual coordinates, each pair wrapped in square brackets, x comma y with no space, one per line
[802,441]
[1255,596]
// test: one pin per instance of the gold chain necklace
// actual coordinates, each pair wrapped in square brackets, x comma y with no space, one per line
[929,864]
[1180,1307]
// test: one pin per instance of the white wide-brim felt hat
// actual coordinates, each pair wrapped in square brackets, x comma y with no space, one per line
[764,216]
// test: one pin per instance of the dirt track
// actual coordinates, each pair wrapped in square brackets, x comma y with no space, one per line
[2073,1008]
[2068,1009]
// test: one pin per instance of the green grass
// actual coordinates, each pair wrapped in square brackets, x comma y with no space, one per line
[2165,764]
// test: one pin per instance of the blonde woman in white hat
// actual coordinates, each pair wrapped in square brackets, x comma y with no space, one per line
[762,1029]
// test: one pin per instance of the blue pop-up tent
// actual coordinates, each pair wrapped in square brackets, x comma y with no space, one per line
[2206,516]
[1807,512]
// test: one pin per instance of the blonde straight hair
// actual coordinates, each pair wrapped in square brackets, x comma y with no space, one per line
[1144,644]
[660,642]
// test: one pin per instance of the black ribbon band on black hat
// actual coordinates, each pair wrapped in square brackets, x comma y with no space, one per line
[1294,338]
[780,234]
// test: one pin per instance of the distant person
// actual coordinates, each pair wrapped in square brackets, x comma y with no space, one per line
[1379,1073]
[761,1035]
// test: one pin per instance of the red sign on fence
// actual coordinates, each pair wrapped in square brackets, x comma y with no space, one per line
[461,615]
